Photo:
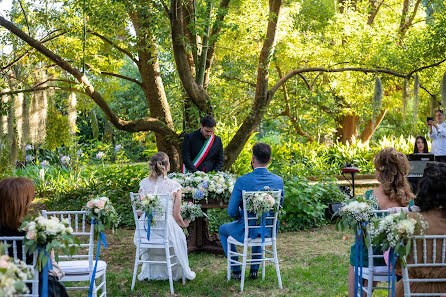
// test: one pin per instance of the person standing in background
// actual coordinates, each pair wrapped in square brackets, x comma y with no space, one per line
[202,150]
[437,132]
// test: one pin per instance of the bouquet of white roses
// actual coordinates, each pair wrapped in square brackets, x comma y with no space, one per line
[359,211]
[13,274]
[103,213]
[46,235]
[190,211]
[262,202]
[200,185]
[395,231]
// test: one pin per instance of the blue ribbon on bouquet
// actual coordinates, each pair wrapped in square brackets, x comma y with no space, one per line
[149,223]
[359,241]
[263,227]
[391,273]
[101,240]
[48,266]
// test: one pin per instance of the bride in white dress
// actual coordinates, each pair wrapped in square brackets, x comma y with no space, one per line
[159,183]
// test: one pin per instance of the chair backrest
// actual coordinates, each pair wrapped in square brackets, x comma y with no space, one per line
[371,251]
[16,244]
[429,259]
[83,229]
[251,222]
[160,217]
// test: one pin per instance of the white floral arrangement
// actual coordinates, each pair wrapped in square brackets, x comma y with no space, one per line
[395,231]
[13,274]
[356,212]
[148,204]
[46,235]
[103,213]
[191,211]
[204,186]
[262,202]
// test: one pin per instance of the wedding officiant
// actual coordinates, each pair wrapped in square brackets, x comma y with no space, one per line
[202,150]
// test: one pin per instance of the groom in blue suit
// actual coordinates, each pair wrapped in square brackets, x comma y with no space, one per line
[257,180]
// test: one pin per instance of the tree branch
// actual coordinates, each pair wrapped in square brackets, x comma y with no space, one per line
[144,124]
[322,69]
[122,50]
[37,89]
[425,67]
[117,75]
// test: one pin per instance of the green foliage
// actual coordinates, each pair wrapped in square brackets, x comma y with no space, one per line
[304,204]
[443,91]
[216,218]
[71,190]
[57,130]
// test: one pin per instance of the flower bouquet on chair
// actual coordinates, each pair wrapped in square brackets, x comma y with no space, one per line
[393,233]
[104,216]
[262,202]
[46,235]
[102,213]
[13,274]
[355,214]
[148,204]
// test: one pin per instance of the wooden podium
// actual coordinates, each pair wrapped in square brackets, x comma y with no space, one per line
[199,239]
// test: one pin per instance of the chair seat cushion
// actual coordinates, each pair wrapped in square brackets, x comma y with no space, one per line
[379,271]
[80,267]
[251,241]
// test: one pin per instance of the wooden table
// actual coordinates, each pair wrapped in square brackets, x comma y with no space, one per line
[199,239]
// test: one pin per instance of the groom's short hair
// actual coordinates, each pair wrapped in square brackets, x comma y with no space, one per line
[262,152]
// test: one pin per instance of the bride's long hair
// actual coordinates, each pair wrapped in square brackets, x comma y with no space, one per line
[158,164]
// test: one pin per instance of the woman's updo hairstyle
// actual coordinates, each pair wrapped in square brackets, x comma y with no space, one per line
[158,164]
[392,168]
[432,188]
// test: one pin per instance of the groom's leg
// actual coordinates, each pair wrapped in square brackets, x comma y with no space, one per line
[224,232]
[256,249]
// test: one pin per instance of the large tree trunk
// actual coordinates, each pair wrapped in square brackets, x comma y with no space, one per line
[262,96]
[348,128]
[12,144]
[368,131]
[153,87]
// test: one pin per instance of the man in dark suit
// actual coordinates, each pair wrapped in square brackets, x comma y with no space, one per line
[256,180]
[202,150]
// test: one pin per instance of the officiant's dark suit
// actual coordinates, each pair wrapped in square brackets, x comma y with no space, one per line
[193,142]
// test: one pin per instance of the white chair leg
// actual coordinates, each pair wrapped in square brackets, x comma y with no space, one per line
[95,292]
[370,285]
[245,254]
[135,268]
[263,263]
[169,269]
[228,273]
[104,288]
[276,263]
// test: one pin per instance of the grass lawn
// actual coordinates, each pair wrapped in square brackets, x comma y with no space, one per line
[312,263]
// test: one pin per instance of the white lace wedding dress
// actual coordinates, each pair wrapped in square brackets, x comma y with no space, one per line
[163,185]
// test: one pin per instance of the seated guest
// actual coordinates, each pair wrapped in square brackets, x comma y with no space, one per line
[420,146]
[158,183]
[431,200]
[391,170]
[16,194]
[257,180]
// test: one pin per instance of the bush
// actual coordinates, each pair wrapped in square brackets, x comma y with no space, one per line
[71,190]
[304,204]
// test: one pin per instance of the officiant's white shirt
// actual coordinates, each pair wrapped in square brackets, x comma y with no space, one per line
[438,137]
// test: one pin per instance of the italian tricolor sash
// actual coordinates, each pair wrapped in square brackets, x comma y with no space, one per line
[203,153]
